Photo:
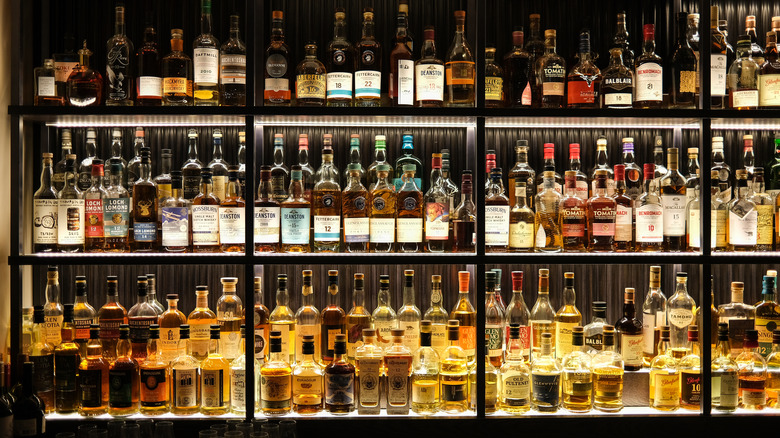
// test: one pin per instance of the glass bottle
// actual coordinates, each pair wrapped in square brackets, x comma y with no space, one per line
[276,392]
[42,356]
[177,73]
[176,231]
[84,85]
[630,332]
[214,378]
[522,172]
[205,216]
[773,371]
[567,317]
[584,80]
[542,314]
[429,74]
[44,81]
[464,219]
[550,74]
[766,213]
[649,222]
[684,64]
[496,214]
[70,208]
[134,165]
[326,205]
[149,83]
[232,225]
[577,376]
[768,91]
[723,169]
[436,210]
[617,87]
[673,202]
[425,374]
[307,381]
[205,59]
[460,74]
[409,213]
[124,378]
[518,70]
[738,315]
[66,365]
[380,157]
[308,320]
[725,380]
[230,313]
[602,211]
[219,167]
[295,215]
[719,63]
[575,165]
[521,222]
[368,363]
[154,394]
[494,321]
[409,315]
[438,317]
[45,209]
[66,139]
[594,332]
[85,167]
[767,315]
[277,71]
[261,323]
[624,221]
[283,320]
[690,373]
[494,80]
[340,64]
[267,214]
[398,369]
[649,73]
[548,202]
[332,320]
[607,366]
[742,78]
[119,67]
[140,317]
[515,387]
[358,318]
[340,380]
[163,179]
[169,346]
[368,65]
[384,316]
[191,170]
[52,309]
[232,74]
[110,316]
[200,320]
[752,374]
[355,210]
[679,309]
[383,211]
[664,376]
[144,211]
[310,79]
[401,81]
[93,377]
[453,375]
[517,313]
[84,316]
[466,316]
[354,157]
[742,231]
[545,378]
[185,377]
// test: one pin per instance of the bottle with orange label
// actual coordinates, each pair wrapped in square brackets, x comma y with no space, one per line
[177,73]
[459,68]
[466,316]
[154,395]
[83,315]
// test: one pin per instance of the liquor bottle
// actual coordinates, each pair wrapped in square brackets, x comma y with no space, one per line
[409,213]
[602,163]
[295,214]
[752,374]
[45,210]
[403,9]
[368,363]
[230,313]
[494,80]
[214,374]
[307,172]
[45,83]
[757,53]
[169,346]
[340,64]
[380,157]
[496,214]
[460,74]
[575,165]
[307,381]
[277,71]
[267,214]
[521,222]
[725,380]
[355,211]
[408,157]
[218,166]
[191,170]
[464,219]
[401,82]
[624,229]
[283,320]
[163,179]
[719,63]
[673,202]
[232,74]
[630,331]
[93,383]
[41,354]
[52,309]
[594,332]
[577,376]
[111,315]
[310,79]
[453,377]
[545,378]
[653,315]
[124,378]
[205,216]
[742,231]
[522,172]
[176,231]
[332,320]
[384,317]
[664,376]
[185,377]
[84,85]
[685,81]
[140,317]
[357,319]
[692,180]
[515,393]
[398,368]
[494,321]
[428,74]
[765,208]
[650,216]
[767,313]
[517,314]
[549,165]
[144,211]
[200,321]
[70,207]
[368,65]
[326,205]
[584,80]
[690,373]
[149,83]
[119,67]
[617,87]
[548,203]
[518,71]
[438,317]
[62,166]
[723,169]
[601,216]
[134,165]
[607,367]
[383,211]
[633,171]
[177,73]
[748,158]
[85,167]
[425,374]
[768,89]
[242,164]
[232,225]
[567,317]
[742,78]
[409,315]
[550,74]
[66,366]
[535,47]
[83,315]
[154,394]
[28,409]
[649,73]
[679,311]
[738,315]
[466,316]
[354,157]
[339,376]
[542,313]
[276,378]
[772,362]
[261,324]
[206,61]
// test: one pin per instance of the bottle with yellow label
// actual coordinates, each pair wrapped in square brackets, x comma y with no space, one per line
[310,79]
[664,377]
[214,376]
[177,73]
[567,317]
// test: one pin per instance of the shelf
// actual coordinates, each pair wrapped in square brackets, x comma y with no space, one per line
[363,258]
[162,417]
[640,258]
[126,259]
[625,412]
[744,258]
[369,118]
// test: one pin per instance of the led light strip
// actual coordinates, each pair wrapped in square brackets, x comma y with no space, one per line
[373,121]
[618,123]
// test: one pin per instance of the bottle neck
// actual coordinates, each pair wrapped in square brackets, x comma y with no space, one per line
[202,301]
[383,297]
[192,149]
[282,297]
[408,294]
[217,154]
[277,31]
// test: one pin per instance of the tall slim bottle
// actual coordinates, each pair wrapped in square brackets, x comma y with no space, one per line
[459,65]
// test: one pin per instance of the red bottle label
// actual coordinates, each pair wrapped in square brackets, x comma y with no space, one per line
[582,92]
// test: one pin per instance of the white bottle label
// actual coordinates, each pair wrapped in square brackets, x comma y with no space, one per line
[623,224]
[356,229]
[617,99]
[409,230]
[430,82]
[232,227]
[743,231]
[745,98]
[674,214]
[185,383]
[220,183]
[405,82]
[648,333]
[650,224]
[175,226]
[497,225]
[70,222]
[267,224]
[368,83]
[718,74]
[46,86]
[233,69]
[206,66]
[694,228]
[45,221]
[649,82]
[521,235]
[411,334]
[339,85]
[237,389]
[631,348]
[382,230]
[437,217]
[295,225]
[327,228]
[205,225]
[150,86]
[769,90]
[680,318]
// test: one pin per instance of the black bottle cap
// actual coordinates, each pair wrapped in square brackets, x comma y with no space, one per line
[214,331]
[154,331]
[124,331]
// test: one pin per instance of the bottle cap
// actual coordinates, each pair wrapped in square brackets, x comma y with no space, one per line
[463,280]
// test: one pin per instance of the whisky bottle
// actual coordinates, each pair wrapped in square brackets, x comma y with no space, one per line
[45,92]
[497,222]
[215,375]
[124,378]
[354,157]
[517,313]
[232,226]
[649,224]
[358,318]
[577,376]
[584,80]
[673,201]
[575,164]
[624,221]
[742,231]
[383,211]
[725,380]
[368,365]
[437,210]
[117,205]
[607,366]
[66,366]
[602,211]
[692,182]
[398,369]
[494,321]
[567,317]
[602,163]
[765,208]
[768,90]
[742,78]
[144,211]
[308,321]
[170,346]
[267,214]
[719,63]
[310,75]
[772,361]
[494,80]
[295,216]
[155,378]
[518,72]
[409,213]
[218,166]
[205,59]
[93,377]
[665,376]
[28,417]
[594,332]
[85,85]
[140,317]
[767,313]
[653,315]
[368,65]
[649,73]
[238,387]
[542,314]
[545,378]
[617,88]
[134,165]
[408,157]
[515,392]
[52,309]
[757,53]
[466,316]
[690,373]
[548,236]
[58,179]
[340,64]
[45,209]
[185,377]
[550,74]
[453,376]
[685,82]
[429,74]
[384,317]
[621,41]
[738,315]
[401,81]
[149,83]
[355,210]
[630,332]
[119,67]
[723,169]
[380,157]
[177,73]
[42,356]
[307,381]
[230,313]
[521,222]
[438,317]
[536,48]
[752,374]
[459,65]
[84,316]
[409,315]
[464,218]
[110,316]
[326,205]
[522,172]
[205,216]
[93,210]
[200,321]
[176,232]
[339,380]
[283,320]
[277,71]
[232,73]
[332,320]
[70,208]
[262,324]
[425,374]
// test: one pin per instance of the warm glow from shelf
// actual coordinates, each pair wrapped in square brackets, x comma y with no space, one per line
[616,122]
[150,121]
[369,121]
[291,416]
[746,124]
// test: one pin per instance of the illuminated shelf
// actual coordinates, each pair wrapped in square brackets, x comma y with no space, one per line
[162,417]
[364,258]
[126,259]
[595,258]
[625,412]
[745,257]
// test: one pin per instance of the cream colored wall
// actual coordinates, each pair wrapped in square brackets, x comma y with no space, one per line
[5,157]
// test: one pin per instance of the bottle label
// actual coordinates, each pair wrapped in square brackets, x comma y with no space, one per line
[232,226]
[340,389]
[145,231]
[718,68]
[516,388]
[468,339]
[604,221]
[70,230]
[494,88]
[430,82]
[277,87]
[327,228]
[743,230]
[109,328]
[617,99]
[754,398]
[91,388]
[649,82]
[765,327]
[553,88]
[205,225]
[261,340]
[237,389]
[310,87]
[150,86]
[689,81]
[631,347]
[546,388]
[521,235]
[52,329]
[737,328]
[267,223]
[154,387]
[190,186]
[495,340]
[288,337]
[583,92]
[82,328]
[63,69]
[356,229]
[439,337]
[690,388]
[368,84]
[205,63]
[184,387]
[453,392]
[339,85]
[45,221]
[563,334]
[43,373]
[276,67]
[694,228]
[369,380]
[405,82]
[595,341]
[650,224]
[175,226]
[355,337]
[233,69]
[46,86]
[177,86]
[169,344]
[120,388]
[382,230]
[765,224]
[295,225]
[718,219]
[680,318]
[383,337]
[667,390]
[139,328]
[212,384]
[437,217]
[219,184]
[769,90]
[116,217]
[496,225]
[20,427]
[623,224]
[409,230]
[744,99]
[307,389]
[727,385]
[581,190]
[66,369]
[229,341]
[398,369]
[460,73]
[539,327]
[117,72]
[328,340]
[424,392]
